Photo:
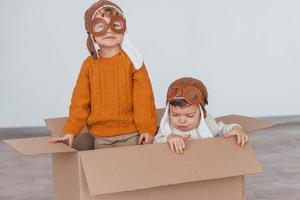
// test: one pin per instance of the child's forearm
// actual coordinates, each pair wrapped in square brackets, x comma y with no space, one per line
[160,138]
[80,103]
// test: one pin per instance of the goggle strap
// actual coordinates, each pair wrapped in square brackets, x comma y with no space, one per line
[96,46]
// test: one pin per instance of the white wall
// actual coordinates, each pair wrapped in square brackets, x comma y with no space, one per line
[245,51]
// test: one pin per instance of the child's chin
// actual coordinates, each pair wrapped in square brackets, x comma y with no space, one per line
[184,129]
[110,44]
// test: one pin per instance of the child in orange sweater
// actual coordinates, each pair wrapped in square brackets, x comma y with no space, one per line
[113,94]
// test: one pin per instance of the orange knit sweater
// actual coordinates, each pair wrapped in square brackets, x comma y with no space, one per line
[112,98]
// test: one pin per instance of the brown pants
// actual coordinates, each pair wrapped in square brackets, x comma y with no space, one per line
[117,141]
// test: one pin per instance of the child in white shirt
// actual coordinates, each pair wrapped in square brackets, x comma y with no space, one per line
[185,117]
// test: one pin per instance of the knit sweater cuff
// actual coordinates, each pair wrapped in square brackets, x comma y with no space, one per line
[71,130]
[147,129]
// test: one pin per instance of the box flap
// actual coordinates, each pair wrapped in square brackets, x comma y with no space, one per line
[83,141]
[159,114]
[37,145]
[249,124]
[56,125]
[130,168]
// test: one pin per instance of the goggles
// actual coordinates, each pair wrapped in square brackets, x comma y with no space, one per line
[99,27]
[190,93]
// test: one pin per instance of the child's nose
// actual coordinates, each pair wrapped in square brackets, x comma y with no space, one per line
[109,30]
[182,120]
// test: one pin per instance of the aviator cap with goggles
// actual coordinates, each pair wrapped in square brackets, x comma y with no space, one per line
[98,26]
[190,89]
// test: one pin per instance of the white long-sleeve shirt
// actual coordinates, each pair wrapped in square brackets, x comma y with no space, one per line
[217,129]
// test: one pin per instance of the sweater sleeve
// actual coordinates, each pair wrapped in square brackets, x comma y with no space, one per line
[80,103]
[159,137]
[144,111]
[218,128]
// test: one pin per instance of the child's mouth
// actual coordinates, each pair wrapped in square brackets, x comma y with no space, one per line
[109,37]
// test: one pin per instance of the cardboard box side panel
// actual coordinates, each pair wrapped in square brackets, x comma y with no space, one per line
[225,189]
[230,188]
[37,145]
[205,159]
[66,176]
[244,188]
[85,193]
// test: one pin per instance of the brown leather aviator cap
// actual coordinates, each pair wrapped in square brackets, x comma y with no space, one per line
[190,89]
[88,17]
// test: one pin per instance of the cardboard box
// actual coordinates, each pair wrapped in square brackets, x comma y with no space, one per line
[210,169]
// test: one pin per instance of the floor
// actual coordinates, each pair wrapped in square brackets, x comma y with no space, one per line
[277,148]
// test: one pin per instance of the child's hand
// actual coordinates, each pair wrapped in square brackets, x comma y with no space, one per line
[146,138]
[176,142]
[241,135]
[69,138]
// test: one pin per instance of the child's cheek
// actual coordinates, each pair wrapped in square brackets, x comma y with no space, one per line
[173,121]
[193,122]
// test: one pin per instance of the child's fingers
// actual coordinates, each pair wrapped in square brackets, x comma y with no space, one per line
[141,139]
[55,139]
[182,144]
[71,139]
[242,140]
[62,139]
[247,138]
[179,146]
[239,139]
[226,135]
[176,146]
[149,139]
[51,140]
[176,150]
[171,144]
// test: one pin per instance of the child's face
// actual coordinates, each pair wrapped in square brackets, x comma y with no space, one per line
[184,118]
[110,39]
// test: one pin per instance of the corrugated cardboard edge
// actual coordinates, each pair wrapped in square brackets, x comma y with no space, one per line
[37,145]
